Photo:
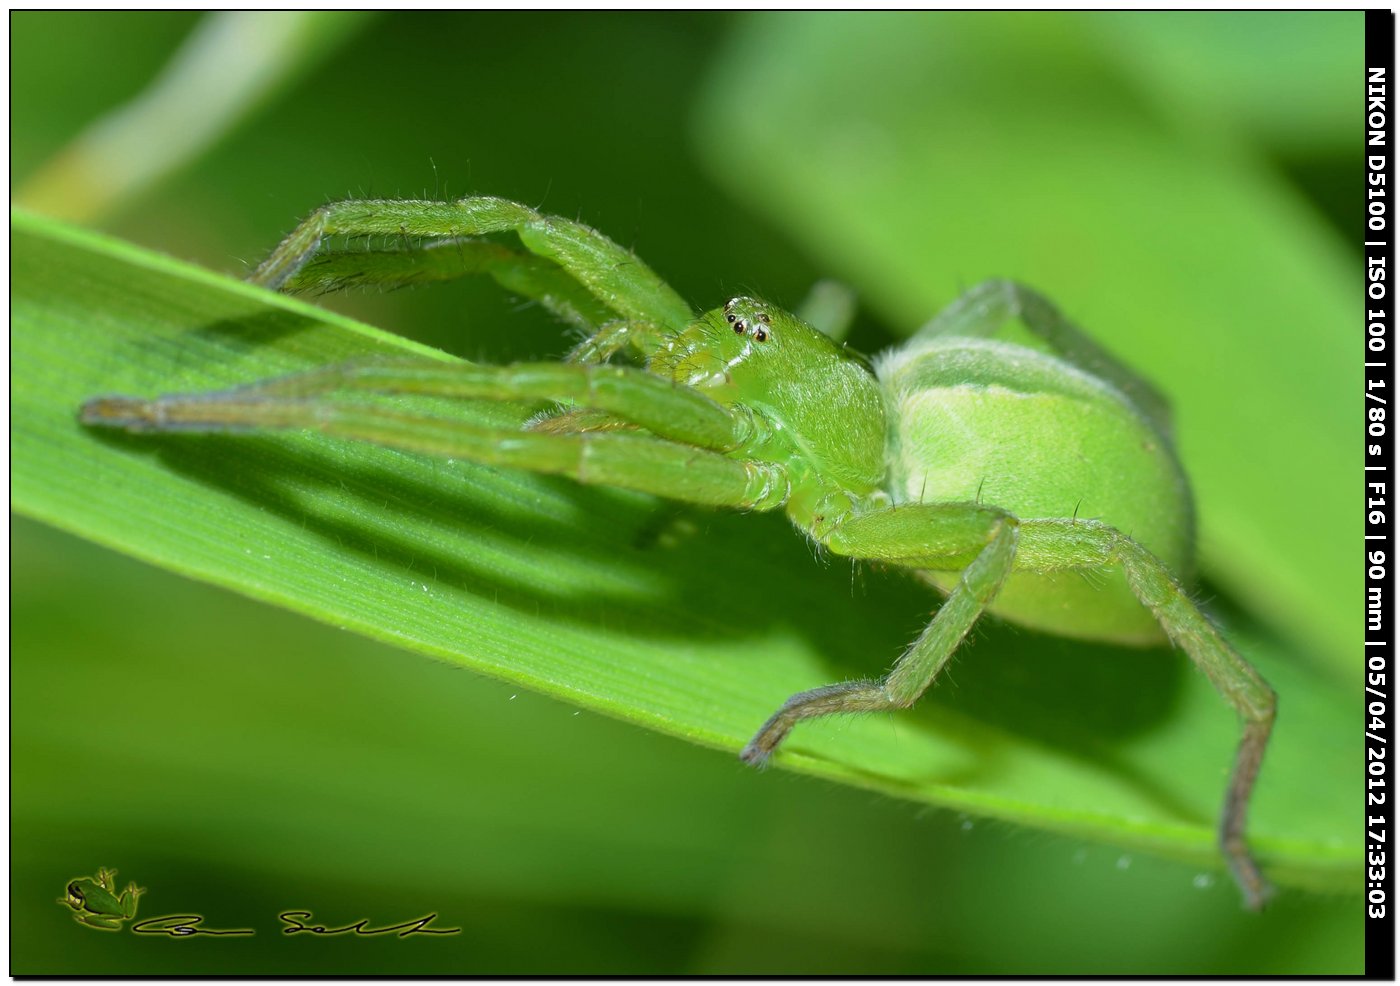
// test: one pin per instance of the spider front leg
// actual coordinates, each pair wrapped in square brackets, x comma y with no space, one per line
[612,275]
[948,535]
[525,274]
[681,464]
[518,272]
[678,413]
[613,337]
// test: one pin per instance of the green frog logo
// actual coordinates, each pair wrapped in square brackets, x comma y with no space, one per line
[96,903]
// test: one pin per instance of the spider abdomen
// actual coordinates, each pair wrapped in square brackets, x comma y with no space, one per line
[977,420]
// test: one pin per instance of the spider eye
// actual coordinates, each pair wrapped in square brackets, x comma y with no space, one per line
[739,326]
[761,334]
[729,316]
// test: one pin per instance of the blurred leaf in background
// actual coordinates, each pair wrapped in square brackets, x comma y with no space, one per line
[260,762]
[229,64]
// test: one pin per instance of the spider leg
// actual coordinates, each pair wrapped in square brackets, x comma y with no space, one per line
[675,469]
[1056,545]
[629,393]
[518,272]
[980,540]
[990,543]
[614,276]
[830,308]
[612,337]
[631,461]
[983,311]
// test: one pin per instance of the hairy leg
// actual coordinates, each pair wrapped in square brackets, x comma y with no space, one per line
[614,276]
[981,538]
[830,308]
[626,459]
[627,393]
[1057,545]
[989,543]
[397,266]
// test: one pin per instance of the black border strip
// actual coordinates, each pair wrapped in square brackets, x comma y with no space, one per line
[1378,705]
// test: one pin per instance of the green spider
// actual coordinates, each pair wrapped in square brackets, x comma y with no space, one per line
[973,460]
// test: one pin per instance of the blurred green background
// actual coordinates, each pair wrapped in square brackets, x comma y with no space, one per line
[244,761]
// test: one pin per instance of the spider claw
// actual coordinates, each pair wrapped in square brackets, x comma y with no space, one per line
[755,755]
[119,411]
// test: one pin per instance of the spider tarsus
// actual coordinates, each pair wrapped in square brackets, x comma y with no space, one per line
[1257,890]
[755,754]
[1256,898]
[119,411]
